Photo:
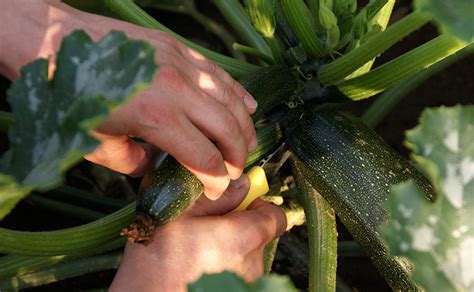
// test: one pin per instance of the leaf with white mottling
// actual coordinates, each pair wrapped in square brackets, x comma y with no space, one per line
[231,282]
[455,17]
[52,118]
[438,238]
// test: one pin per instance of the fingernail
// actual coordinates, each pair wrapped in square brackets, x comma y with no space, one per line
[238,183]
[252,144]
[250,102]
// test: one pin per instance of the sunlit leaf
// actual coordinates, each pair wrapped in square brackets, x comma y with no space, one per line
[52,118]
[438,238]
[455,17]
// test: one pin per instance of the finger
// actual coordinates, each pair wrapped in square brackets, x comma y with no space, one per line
[225,94]
[218,123]
[258,225]
[230,199]
[121,154]
[192,149]
[213,69]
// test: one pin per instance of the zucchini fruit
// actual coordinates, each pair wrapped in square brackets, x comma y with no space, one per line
[271,86]
[353,169]
[164,194]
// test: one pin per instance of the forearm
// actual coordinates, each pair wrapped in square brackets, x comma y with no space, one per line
[34,29]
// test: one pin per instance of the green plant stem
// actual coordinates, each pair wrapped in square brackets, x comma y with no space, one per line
[129,11]
[65,208]
[235,14]
[405,66]
[6,119]
[322,235]
[189,8]
[381,18]
[97,236]
[337,70]
[253,52]
[15,265]
[390,98]
[302,24]
[64,270]
[276,51]
[73,194]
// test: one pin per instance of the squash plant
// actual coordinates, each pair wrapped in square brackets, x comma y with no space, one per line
[312,57]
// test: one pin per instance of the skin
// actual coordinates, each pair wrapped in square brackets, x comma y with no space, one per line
[193,110]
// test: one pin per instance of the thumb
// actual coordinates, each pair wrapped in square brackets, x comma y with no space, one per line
[230,199]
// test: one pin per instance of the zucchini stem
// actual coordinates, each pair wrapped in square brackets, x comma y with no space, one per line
[64,270]
[238,18]
[337,70]
[129,11]
[253,52]
[401,68]
[390,98]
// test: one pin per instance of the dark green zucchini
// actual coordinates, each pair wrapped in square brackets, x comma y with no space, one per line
[164,194]
[353,169]
[271,86]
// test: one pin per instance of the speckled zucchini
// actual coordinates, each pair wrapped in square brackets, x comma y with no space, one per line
[164,194]
[353,169]
[271,86]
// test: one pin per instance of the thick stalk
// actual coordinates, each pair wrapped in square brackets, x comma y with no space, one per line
[235,14]
[15,265]
[381,19]
[403,67]
[189,8]
[322,235]
[129,11]
[66,209]
[253,52]
[64,270]
[276,50]
[97,236]
[301,22]
[6,119]
[337,70]
[390,98]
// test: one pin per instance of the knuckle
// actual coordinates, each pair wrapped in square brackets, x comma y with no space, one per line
[211,161]
[231,128]
[211,67]
[227,94]
[237,87]
[171,77]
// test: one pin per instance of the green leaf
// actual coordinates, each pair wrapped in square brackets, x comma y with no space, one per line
[455,17]
[52,118]
[231,282]
[438,238]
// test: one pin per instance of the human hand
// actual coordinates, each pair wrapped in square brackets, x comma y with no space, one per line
[193,109]
[205,239]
